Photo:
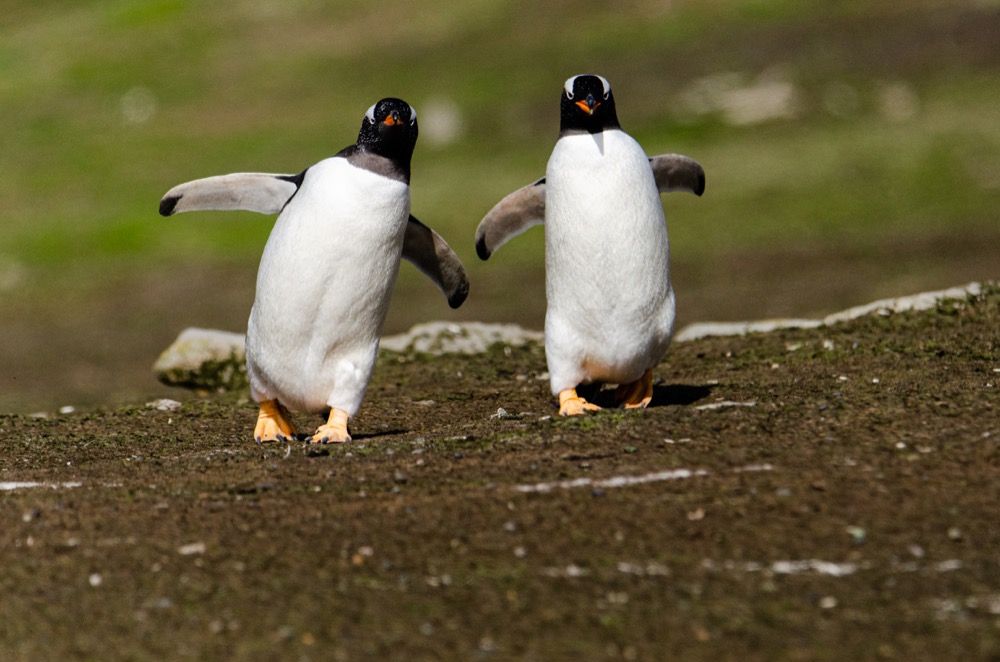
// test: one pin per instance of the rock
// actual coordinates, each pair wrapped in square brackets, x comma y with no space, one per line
[164,404]
[453,338]
[211,360]
[204,359]
[916,302]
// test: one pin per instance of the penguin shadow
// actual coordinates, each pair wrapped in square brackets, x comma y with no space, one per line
[366,436]
[323,450]
[664,395]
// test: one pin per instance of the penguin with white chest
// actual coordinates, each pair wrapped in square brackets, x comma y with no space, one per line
[328,269]
[610,305]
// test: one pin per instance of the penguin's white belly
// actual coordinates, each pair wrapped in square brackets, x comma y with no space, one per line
[323,288]
[610,309]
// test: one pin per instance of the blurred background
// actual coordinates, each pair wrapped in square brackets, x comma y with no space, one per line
[852,152]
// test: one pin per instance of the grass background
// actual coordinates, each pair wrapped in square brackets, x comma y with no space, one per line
[878,176]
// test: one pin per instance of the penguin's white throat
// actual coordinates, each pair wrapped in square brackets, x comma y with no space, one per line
[599,141]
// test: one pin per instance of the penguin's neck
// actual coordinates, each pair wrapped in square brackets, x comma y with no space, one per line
[601,140]
[572,121]
[391,163]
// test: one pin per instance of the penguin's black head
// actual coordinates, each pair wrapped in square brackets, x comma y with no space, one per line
[587,105]
[390,129]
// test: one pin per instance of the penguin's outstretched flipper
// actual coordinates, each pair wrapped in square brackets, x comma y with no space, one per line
[428,252]
[249,191]
[522,209]
[674,172]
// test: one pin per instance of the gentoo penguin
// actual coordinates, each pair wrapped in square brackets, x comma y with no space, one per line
[328,269]
[610,305]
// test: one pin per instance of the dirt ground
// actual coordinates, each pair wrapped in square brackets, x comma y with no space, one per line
[822,494]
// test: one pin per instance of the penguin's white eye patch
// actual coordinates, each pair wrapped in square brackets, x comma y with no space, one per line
[606,84]
[413,115]
[370,115]
[568,86]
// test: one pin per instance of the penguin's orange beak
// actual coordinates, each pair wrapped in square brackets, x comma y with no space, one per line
[392,119]
[588,105]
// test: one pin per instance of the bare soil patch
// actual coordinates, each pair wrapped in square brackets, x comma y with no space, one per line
[821,494]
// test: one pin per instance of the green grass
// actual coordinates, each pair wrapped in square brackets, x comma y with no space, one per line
[253,87]
[109,103]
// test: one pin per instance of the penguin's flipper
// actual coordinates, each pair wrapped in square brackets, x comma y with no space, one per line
[249,191]
[522,209]
[428,252]
[674,172]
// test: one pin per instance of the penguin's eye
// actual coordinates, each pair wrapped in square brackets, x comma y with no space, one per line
[370,115]
[413,115]
[606,95]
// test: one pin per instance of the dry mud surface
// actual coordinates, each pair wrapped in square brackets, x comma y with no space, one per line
[820,494]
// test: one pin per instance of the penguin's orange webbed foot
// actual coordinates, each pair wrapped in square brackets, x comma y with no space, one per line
[334,431]
[571,404]
[273,424]
[638,394]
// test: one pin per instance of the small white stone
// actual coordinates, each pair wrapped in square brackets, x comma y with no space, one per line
[164,404]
